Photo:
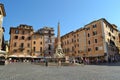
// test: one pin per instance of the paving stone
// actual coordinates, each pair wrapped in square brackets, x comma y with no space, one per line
[28,71]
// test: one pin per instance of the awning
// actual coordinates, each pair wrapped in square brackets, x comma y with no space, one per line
[34,56]
[21,55]
[48,57]
[95,55]
[28,56]
[12,55]
[2,52]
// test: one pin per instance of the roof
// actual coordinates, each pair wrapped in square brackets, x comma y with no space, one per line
[22,27]
[104,20]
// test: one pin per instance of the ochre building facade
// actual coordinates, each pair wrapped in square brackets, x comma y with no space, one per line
[96,40]
[26,43]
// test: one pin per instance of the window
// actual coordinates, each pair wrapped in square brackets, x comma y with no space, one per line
[72,40]
[22,45]
[112,42]
[15,44]
[49,32]
[34,49]
[77,40]
[34,37]
[49,47]
[67,42]
[109,34]
[75,46]
[89,49]
[96,48]
[68,49]
[16,32]
[28,45]
[95,40]
[14,50]
[22,37]
[29,38]
[28,51]
[114,37]
[88,28]
[40,49]
[72,48]
[89,42]
[94,26]
[16,37]
[106,25]
[74,36]
[75,52]
[67,36]
[111,30]
[95,33]
[34,42]
[23,32]
[78,51]
[41,43]
[88,35]
[49,36]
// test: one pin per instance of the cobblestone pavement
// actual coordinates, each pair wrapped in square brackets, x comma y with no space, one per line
[27,71]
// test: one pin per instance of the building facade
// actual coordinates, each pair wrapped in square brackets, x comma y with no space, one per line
[74,44]
[96,40]
[20,40]
[2,15]
[37,44]
[24,42]
[48,42]
[110,35]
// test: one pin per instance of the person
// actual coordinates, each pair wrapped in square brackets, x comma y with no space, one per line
[46,63]
[59,63]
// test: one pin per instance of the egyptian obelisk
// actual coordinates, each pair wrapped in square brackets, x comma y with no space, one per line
[59,51]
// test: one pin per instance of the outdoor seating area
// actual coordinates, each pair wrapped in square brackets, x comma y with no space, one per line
[2,60]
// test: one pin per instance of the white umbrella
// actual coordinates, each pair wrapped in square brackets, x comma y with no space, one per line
[2,52]
[21,55]
[28,56]
[12,55]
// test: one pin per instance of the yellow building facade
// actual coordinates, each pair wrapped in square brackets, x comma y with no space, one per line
[37,44]
[96,40]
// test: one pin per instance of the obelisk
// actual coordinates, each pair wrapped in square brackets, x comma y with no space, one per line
[59,51]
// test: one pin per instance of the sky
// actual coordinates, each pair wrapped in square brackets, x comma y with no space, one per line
[72,14]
